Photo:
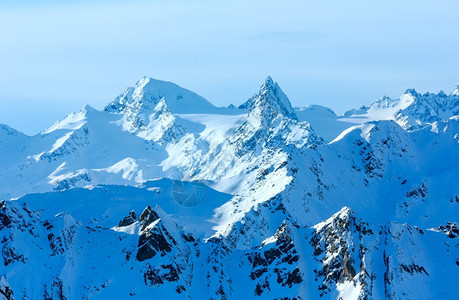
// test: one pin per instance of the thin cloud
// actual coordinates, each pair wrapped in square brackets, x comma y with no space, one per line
[288,36]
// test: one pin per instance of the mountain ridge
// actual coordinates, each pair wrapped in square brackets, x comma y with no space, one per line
[233,203]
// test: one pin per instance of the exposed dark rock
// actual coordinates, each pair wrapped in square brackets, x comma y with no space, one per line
[189,238]
[172,275]
[335,248]
[153,240]
[5,220]
[10,256]
[47,225]
[147,217]
[257,273]
[130,219]
[258,290]
[418,191]
[54,291]
[413,268]
[451,229]
[272,254]
[165,273]
[55,244]
[294,277]
[145,252]
[151,277]
[180,288]
[5,290]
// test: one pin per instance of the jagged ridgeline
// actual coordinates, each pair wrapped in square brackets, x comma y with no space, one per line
[164,195]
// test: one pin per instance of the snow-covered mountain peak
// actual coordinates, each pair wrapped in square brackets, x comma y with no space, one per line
[393,105]
[269,81]
[411,111]
[244,204]
[455,92]
[272,123]
[412,92]
[161,125]
[344,214]
[147,92]
[88,109]
[270,102]
[73,121]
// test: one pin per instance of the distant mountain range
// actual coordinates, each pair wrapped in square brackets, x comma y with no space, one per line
[164,195]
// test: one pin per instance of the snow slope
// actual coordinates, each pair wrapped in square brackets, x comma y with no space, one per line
[324,121]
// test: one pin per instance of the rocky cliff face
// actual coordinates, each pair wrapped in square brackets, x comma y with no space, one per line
[343,256]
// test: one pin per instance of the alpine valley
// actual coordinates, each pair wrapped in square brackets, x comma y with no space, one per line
[162,195]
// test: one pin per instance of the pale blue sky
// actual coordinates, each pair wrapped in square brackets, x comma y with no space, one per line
[55,57]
